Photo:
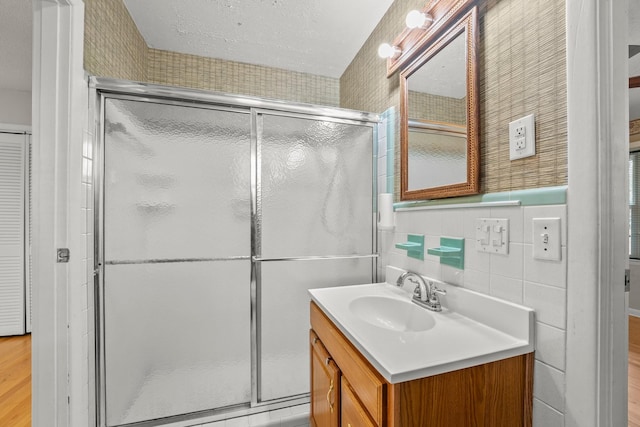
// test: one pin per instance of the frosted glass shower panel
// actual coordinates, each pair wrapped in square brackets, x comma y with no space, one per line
[177,181]
[317,184]
[284,308]
[177,338]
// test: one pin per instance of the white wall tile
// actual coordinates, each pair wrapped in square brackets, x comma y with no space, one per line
[507,288]
[403,222]
[452,223]
[469,220]
[550,345]
[261,420]
[553,211]
[397,259]
[416,265]
[553,273]
[452,275]
[548,385]
[474,259]
[431,242]
[549,302]
[382,145]
[382,184]
[382,163]
[237,422]
[515,216]
[477,280]
[423,222]
[432,269]
[546,416]
[509,265]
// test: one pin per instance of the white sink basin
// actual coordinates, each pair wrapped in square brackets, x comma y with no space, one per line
[393,314]
[404,341]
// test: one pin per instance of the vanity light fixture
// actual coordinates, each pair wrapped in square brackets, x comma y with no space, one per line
[385,50]
[417,19]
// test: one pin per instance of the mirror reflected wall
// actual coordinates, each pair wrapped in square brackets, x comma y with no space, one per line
[439,112]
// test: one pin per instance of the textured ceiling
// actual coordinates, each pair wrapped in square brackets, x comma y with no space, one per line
[311,36]
[15,44]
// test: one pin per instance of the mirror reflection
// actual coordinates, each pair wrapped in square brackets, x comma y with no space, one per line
[437,154]
[437,106]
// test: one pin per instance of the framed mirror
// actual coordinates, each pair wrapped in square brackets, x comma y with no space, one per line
[439,142]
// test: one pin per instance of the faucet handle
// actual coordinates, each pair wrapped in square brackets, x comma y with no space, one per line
[438,290]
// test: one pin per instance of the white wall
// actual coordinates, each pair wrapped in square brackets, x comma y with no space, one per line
[15,107]
[516,277]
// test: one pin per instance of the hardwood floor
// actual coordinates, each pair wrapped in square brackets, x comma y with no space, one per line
[15,381]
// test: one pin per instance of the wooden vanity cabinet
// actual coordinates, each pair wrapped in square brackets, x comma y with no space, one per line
[496,394]
[325,386]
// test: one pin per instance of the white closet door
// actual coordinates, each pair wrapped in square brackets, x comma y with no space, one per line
[12,249]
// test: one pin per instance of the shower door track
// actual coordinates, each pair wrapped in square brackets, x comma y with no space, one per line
[101,89]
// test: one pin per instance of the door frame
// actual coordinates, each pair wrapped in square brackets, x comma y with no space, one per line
[597,116]
[59,104]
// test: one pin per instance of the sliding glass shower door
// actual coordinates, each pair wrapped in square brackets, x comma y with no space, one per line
[176,253]
[213,224]
[315,222]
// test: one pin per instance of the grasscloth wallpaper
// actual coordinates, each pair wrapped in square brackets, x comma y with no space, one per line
[114,48]
[437,108]
[522,70]
[177,69]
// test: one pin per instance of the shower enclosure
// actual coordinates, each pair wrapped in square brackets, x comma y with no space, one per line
[215,215]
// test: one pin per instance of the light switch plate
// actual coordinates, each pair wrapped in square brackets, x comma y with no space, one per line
[492,235]
[546,239]
[522,137]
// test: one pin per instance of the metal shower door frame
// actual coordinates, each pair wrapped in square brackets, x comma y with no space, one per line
[102,89]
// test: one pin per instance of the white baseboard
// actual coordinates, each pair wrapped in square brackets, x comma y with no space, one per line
[634,312]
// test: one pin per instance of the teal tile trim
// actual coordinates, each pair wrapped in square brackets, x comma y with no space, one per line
[531,197]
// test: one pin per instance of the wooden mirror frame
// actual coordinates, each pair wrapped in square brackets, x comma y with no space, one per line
[428,48]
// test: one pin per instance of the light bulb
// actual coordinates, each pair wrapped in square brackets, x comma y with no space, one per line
[417,19]
[385,50]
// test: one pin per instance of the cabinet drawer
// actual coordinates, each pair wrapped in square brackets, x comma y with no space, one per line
[367,384]
[352,413]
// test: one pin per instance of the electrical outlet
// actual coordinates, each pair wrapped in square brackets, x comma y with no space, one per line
[522,137]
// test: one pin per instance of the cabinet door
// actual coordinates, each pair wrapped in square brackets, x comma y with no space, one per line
[353,414]
[325,386]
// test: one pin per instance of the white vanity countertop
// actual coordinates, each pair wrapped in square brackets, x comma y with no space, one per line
[471,329]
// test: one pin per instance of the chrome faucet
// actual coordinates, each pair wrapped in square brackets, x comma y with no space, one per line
[425,293]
